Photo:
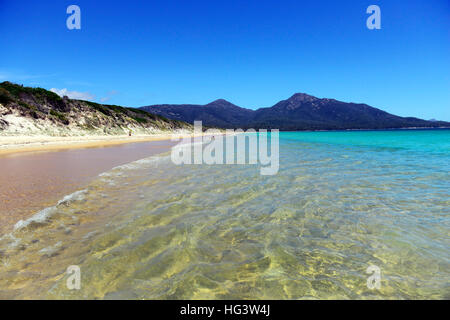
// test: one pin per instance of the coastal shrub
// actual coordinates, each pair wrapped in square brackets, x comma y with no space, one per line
[27,106]
[105,108]
[42,93]
[147,114]
[5,96]
[39,93]
[164,118]
[61,117]
[135,110]
[42,99]
[12,88]
[88,127]
[98,107]
[118,109]
[140,120]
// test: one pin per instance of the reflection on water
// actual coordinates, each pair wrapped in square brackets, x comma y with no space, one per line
[154,230]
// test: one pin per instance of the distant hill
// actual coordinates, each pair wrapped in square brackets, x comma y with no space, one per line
[219,113]
[26,110]
[299,112]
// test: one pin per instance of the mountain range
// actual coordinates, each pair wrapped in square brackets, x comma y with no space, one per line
[27,110]
[299,112]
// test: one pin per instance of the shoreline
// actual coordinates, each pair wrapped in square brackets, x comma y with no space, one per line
[37,143]
[23,144]
[37,171]
[37,175]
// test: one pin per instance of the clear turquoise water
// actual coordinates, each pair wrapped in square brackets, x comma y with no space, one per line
[341,201]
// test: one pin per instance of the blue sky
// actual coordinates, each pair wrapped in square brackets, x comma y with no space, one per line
[252,53]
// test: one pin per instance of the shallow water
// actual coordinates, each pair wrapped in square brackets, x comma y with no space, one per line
[341,201]
[31,181]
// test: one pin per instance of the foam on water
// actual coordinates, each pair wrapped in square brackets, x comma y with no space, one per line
[44,215]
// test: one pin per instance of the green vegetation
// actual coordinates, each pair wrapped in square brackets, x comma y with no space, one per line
[5,96]
[99,107]
[135,110]
[27,106]
[118,109]
[15,90]
[140,116]
[105,108]
[147,114]
[140,120]
[61,117]
[39,103]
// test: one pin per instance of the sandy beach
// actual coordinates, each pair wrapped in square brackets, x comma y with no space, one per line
[37,171]
[16,144]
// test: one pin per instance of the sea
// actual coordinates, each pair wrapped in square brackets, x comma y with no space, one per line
[348,215]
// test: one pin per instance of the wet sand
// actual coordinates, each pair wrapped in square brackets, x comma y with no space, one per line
[32,181]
